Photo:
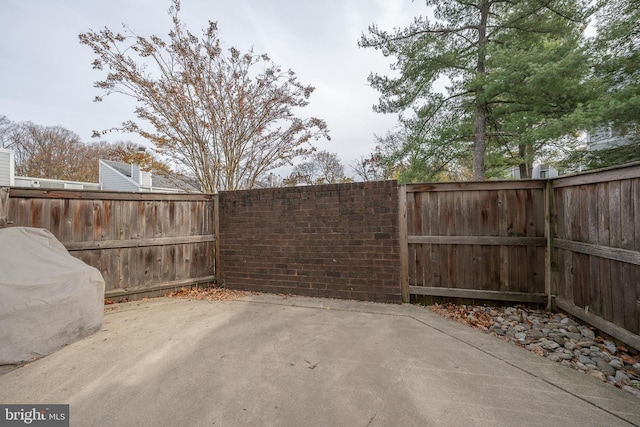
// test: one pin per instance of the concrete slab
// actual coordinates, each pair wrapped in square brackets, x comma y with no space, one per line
[268,360]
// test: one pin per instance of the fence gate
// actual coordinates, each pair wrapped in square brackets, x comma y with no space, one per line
[479,240]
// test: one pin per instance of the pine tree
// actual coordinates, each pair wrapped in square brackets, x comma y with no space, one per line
[479,48]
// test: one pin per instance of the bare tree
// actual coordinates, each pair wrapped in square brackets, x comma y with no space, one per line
[57,153]
[45,152]
[388,159]
[370,168]
[226,116]
[6,129]
[321,168]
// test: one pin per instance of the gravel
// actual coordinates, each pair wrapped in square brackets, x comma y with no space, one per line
[555,336]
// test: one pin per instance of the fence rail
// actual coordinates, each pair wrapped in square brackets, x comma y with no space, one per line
[476,240]
[573,242]
[142,243]
[596,249]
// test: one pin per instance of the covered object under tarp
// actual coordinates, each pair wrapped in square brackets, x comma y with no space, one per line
[48,298]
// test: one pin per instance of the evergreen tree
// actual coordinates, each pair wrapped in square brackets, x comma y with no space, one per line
[498,99]
[616,68]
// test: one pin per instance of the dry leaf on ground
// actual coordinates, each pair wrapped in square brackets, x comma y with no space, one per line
[208,294]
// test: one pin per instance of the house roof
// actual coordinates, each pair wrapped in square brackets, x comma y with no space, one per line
[159,180]
[123,168]
[175,181]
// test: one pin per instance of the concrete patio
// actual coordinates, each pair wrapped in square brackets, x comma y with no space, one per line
[265,360]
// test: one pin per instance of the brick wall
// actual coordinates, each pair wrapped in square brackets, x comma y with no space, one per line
[338,241]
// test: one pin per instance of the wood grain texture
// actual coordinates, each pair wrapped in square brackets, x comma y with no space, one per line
[135,240]
[477,236]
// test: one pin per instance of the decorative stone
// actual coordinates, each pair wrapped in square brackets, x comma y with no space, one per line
[587,333]
[611,347]
[621,377]
[554,357]
[606,369]
[560,339]
[521,336]
[585,343]
[575,336]
[584,359]
[568,322]
[616,364]
[535,334]
[550,345]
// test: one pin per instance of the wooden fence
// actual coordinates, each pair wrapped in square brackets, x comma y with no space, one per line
[476,240]
[596,250]
[141,242]
[573,242]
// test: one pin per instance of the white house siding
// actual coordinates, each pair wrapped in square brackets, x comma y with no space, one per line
[113,180]
[145,179]
[605,138]
[55,184]
[7,166]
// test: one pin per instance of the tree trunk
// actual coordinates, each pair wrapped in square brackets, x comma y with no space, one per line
[525,151]
[479,140]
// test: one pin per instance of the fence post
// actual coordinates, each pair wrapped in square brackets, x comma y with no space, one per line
[548,231]
[404,242]
[4,206]
[216,232]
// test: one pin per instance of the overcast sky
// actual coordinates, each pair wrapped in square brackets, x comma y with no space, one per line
[47,77]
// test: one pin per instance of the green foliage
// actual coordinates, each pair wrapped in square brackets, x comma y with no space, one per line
[619,155]
[616,53]
[516,84]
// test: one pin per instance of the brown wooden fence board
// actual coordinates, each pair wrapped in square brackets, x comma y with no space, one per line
[137,241]
[596,244]
[475,236]
[576,237]
[628,171]
[4,205]
[630,297]
[635,196]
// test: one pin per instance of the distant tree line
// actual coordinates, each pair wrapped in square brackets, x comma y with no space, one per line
[54,152]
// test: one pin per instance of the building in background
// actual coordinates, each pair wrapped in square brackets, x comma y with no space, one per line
[114,176]
[119,176]
[9,179]
[605,138]
[540,171]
